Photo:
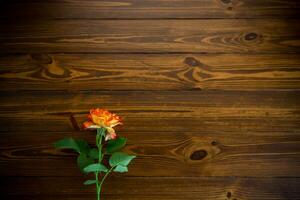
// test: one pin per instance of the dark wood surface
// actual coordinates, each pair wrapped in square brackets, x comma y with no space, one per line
[150,36]
[209,93]
[250,72]
[153,9]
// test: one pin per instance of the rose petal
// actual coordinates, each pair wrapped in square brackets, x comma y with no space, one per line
[89,125]
[111,134]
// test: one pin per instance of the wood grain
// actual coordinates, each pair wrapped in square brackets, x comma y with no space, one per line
[171,110]
[149,72]
[161,154]
[208,89]
[136,9]
[223,188]
[204,133]
[159,36]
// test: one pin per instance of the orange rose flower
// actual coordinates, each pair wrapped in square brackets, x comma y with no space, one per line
[101,118]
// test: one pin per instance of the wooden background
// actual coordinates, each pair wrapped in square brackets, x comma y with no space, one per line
[209,92]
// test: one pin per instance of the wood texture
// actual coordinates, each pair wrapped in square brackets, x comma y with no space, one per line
[159,36]
[149,72]
[208,89]
[202,110]
[137,9]
[172,133]
[229,188]
[162,154]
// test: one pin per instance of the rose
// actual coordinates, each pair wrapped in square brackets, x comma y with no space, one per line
[101,118]
[92,159]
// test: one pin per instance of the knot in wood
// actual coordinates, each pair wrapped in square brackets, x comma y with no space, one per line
[198,155]
[191,61]
[226,1]
[251,36]
[42,58]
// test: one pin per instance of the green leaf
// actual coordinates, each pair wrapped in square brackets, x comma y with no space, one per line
[121,169]
[90,182]
[80,146]
[94,153]
[96,167]
[83,160]
[83,146]
[115,145]
[120,158]
[67,143]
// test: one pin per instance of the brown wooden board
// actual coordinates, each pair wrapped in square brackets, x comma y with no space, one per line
[202,110]
[158,36]
[223,188]
[161,153]
[145,9]
[185,133]
[149,72]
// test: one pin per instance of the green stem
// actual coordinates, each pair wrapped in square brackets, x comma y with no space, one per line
[99,145]
[97,185]
[104,177]
[100,150]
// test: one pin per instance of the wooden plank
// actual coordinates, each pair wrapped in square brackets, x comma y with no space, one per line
[177,154]
[149,72]
[164,36]
[236,123]
[142,109]
[233,130]
[228,188]
[202,110]
[136,9]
